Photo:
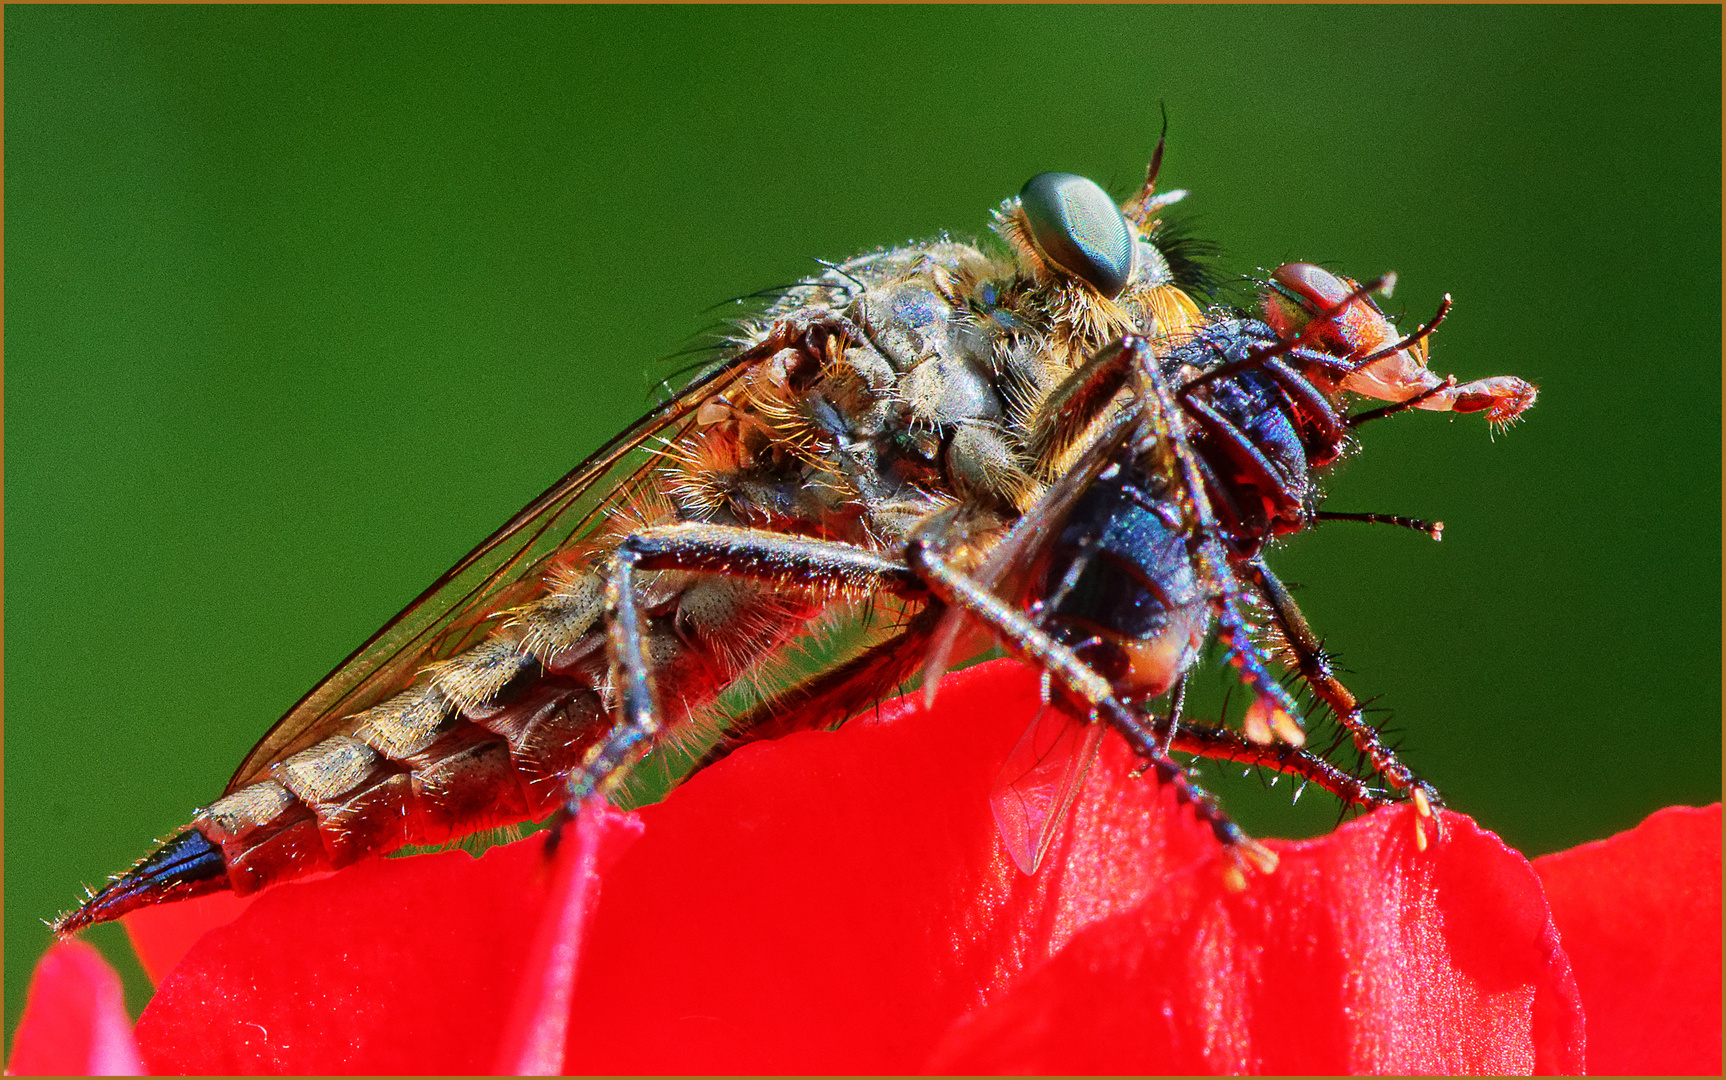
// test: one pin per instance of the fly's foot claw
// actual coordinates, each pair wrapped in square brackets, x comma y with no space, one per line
[1426,803]
[1422,804]
[1243,853]
[1267,722]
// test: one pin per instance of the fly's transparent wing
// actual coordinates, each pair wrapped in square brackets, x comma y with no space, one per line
[1036,786]
[502,572]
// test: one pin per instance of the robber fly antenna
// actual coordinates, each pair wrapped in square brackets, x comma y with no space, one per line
[1156,165]
[1143,206]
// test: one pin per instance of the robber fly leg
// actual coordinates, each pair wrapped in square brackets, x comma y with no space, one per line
[753,554]
[637,720]
[773,557]
[1314,667]
[1172,723]
[1177,701]
[1024,638]
[1079,400]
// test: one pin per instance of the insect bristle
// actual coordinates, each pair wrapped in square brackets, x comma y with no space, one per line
[474,843]
[1192,258]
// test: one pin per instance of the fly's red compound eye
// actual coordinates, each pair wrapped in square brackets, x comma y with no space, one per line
[1080,229]
[1312,287]
[1300,292]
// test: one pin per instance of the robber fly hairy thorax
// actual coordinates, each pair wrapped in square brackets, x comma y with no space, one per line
[1040,442]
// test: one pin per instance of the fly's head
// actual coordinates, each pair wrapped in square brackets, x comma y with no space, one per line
[1335,315]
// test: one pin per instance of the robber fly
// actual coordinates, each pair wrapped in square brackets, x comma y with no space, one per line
[1039,442]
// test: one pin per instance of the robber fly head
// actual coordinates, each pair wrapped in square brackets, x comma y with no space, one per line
[1089,270]
[1069,228]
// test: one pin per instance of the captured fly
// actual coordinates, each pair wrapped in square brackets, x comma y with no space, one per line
[1039,441]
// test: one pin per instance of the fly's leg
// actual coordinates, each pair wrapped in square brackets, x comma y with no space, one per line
[1177,701]
[1412,339]
[754,554]
[1030,643]
[1310,336]
[1233,442]
[1171,725]
[1314,667]
[1222,744]
[1272,712]
[1244,454]
[1331,424]
[1392,409]
[1434,529]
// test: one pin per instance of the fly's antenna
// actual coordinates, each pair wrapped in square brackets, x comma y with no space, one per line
[1434,529]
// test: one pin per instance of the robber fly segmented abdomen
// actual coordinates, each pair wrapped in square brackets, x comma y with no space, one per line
[1043,439]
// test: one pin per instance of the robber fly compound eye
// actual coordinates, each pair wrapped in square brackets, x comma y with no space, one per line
[1079,228]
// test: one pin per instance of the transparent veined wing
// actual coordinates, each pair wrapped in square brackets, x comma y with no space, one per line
[1041,777]
[502,572]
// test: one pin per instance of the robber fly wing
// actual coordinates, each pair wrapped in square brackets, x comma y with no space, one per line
[502,572]
[1012,561]
[1039,780]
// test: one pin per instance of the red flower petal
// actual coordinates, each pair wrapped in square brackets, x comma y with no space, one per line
[739,937]
[161,935]
[1640,917]
[1359,955]
[75,1019]
[538,1029]
[836,902]
[831,902]
[393,966]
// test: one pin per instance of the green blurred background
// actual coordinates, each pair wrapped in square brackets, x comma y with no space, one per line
[302,302]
